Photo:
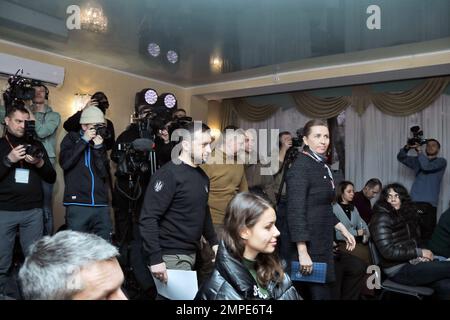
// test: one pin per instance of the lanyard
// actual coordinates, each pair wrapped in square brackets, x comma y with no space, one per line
[9,142]
[314,156]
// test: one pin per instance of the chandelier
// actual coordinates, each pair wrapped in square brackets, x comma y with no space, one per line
[93,19]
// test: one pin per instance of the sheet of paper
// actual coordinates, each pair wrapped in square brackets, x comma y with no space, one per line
[182,285]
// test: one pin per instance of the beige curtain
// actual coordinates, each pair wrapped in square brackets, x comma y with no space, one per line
[396,104]
[253,113]
[410,101]
[240,108]
[321,108]
[226,114]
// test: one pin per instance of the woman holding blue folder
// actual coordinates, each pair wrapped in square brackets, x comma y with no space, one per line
[310,217]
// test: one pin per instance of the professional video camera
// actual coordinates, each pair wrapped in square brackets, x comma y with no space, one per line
[417,137]
[33,147]
[19,90]
[135,157]
[297,141]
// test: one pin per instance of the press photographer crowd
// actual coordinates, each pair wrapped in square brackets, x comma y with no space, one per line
[185,200]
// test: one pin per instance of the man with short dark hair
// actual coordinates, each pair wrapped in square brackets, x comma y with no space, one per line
[175,212]
[21,199]
[362,198]
[429,170]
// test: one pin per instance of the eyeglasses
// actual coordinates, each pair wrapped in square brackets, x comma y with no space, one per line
[393,196]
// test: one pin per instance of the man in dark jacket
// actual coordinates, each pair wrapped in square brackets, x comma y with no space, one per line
[175,212]
[84,161]
[21,199]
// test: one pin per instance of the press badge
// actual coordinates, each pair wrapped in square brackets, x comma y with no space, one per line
[22,175]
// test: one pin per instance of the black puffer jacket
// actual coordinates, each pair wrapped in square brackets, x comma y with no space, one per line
[232,281]
[395,233]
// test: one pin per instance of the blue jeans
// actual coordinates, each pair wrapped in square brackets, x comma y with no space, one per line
[434,274]
[30,226]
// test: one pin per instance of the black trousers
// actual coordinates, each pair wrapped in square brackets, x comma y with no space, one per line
[350,274]
[434,274]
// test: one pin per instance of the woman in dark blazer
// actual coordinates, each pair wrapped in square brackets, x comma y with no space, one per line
[311,221]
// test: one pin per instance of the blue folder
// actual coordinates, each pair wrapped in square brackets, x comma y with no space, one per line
[318,275]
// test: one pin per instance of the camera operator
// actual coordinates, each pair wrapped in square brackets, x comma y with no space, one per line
[100,101]
[23,167]
[47,122]
[163,145]
[85,164]
[179,114]
[163,131]
[429,170]
[132,153]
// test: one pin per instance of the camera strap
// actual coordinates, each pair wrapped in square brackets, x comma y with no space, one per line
[12,147]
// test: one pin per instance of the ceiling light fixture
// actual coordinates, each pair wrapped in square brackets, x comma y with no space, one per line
[172,56]
[153,49]
[93,19]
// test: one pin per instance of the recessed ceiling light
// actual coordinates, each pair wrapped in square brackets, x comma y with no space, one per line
[172,56]
[154,49]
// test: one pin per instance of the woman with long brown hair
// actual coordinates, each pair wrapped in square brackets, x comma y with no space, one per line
[246,264]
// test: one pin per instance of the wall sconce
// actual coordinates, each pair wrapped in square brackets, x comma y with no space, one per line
[216,64]
[80,101]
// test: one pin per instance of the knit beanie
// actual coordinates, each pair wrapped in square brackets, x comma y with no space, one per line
[92,115]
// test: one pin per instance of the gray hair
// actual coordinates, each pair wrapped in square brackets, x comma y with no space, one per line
[51,268]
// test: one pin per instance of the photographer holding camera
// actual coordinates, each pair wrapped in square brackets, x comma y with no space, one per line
[429,170]
[100,101]
[23,167]
[84,161]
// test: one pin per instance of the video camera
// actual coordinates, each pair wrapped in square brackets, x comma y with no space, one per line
[33,147]
[19,90]
[297,141]
[134,157]
[417,137]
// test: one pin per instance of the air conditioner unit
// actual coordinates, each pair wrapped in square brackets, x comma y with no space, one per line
[47,73]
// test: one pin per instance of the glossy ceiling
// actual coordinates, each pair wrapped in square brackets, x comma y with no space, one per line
[221,40]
